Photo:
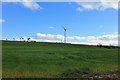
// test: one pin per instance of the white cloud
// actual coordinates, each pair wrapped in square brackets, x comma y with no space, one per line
[101,5]
[49,36]
[31,4]
[83,4]
[2,21]
[51,27]
[104,39]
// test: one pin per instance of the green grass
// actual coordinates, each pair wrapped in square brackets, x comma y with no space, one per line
[28,59]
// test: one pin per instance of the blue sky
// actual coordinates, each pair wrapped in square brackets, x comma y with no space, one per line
[21,21]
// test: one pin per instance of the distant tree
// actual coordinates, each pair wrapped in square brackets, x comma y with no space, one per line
[22,39]
[99,45]
[13,39]
[28,39]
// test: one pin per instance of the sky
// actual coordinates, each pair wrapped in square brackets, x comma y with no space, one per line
[86,22]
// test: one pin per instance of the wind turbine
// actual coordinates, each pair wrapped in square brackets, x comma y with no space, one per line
[65,30]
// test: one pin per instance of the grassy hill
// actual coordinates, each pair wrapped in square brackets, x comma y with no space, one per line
[29,59]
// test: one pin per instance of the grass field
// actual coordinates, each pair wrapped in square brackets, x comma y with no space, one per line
[29,59]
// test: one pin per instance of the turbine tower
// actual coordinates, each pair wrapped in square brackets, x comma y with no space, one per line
[65,30]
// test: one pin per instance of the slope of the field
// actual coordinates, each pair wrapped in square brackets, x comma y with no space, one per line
[29,59]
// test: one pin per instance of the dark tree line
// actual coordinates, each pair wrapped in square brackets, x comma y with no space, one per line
[106,46]
[22,39]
